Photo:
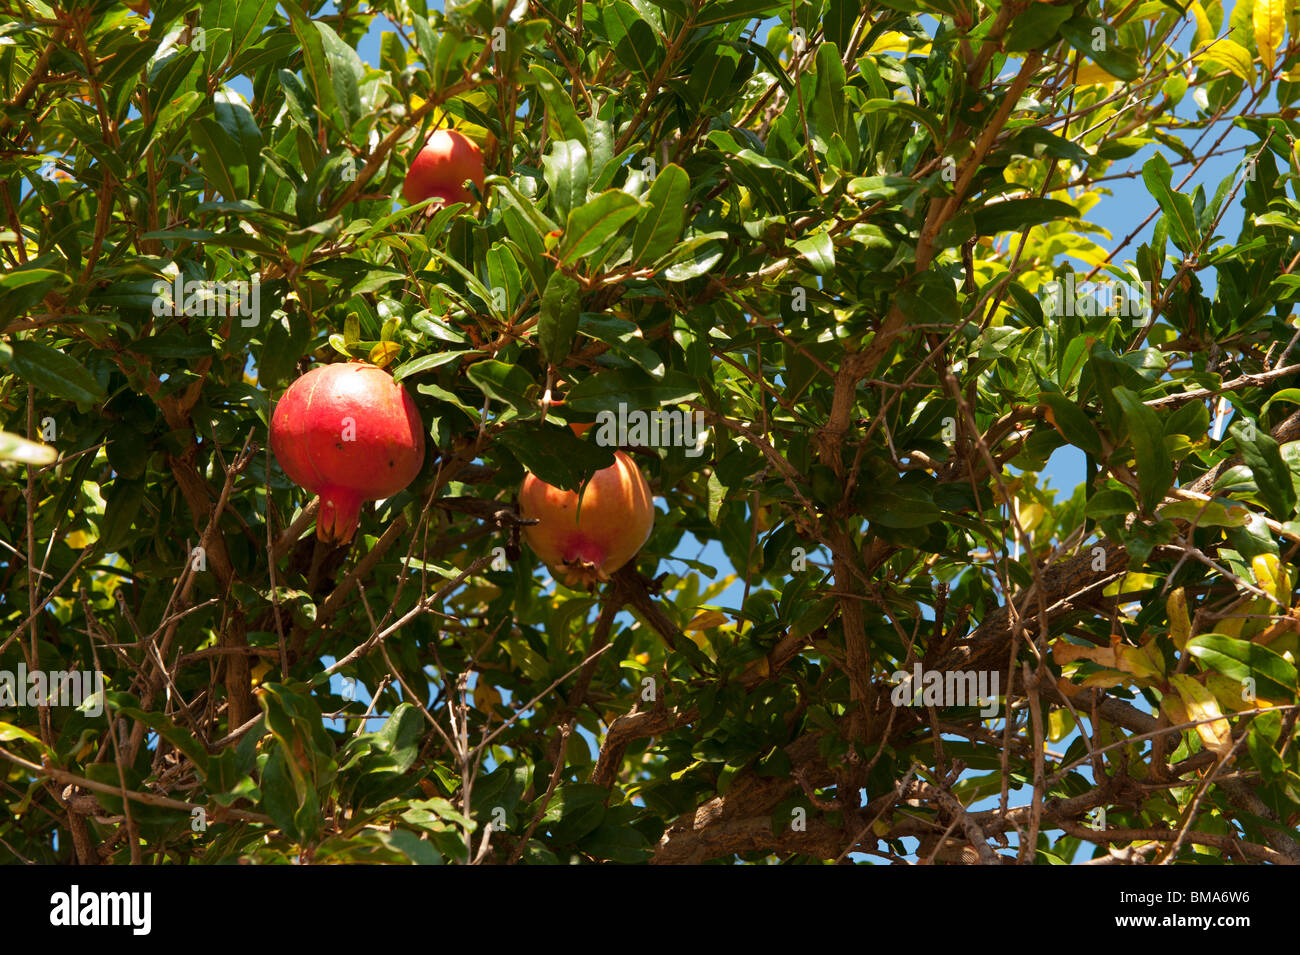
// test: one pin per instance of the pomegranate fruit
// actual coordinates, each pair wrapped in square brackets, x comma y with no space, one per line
[584,541]
[441,168]
[349,433]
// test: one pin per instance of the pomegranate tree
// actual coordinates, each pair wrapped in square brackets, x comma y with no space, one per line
[349,433]
[585,539]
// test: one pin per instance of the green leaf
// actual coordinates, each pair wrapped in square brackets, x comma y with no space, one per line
[903,505]
[123,505]
[1265,729]
[415,849]
[1179,217]
[1073,422]
[1110,502]
[661,224]
[726,11]
[712,74]
[1015,214]
[624,338]
[631,387]
[562,119]
[574,811]
[837,24]
[1281,221]
[1272,477]
[10,732]
[55,373]
[557,322]
[315,65]
[635,43]
[617,843]
[909,112]
[695,257]
[212,159]
[1036,27]
[1155,470]
[400,736]
[818,251]
[346,71]
[555,454]
[1274,676]
[442,394]
[506,383]
[592,224]
[426,39]
[875,188]
[424,363]
[1025,140]
[1289,395]
[18,278]
[566,173]
[1100,43]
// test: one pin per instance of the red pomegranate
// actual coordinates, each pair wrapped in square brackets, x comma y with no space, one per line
[441,168]
[349,433]
[584,541]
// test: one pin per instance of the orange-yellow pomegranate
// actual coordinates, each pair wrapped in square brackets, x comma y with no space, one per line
[583,542]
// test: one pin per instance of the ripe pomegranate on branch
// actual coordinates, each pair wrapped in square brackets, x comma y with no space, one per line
[349,433]
[585,537]
[441,168]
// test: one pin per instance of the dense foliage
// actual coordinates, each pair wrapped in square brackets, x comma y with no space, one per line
[829,229]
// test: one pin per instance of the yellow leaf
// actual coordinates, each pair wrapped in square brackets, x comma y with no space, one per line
[8,731]
[889,40]
[1228,691]
[1271,577]
[642,658]
[1059,725]
[703,621]
[1031,515]
[1173,709]
[1105,679]
[1232,56]
[77,540]
[893,41]
[682,772]
[1201,705]
[1090,74]
[486,698]
[384,352]
[1142,662]
[1270,29]
[1068,652]
[1180,627]
[1204,30]
[1130,583]
[14,447]
[1238,615]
